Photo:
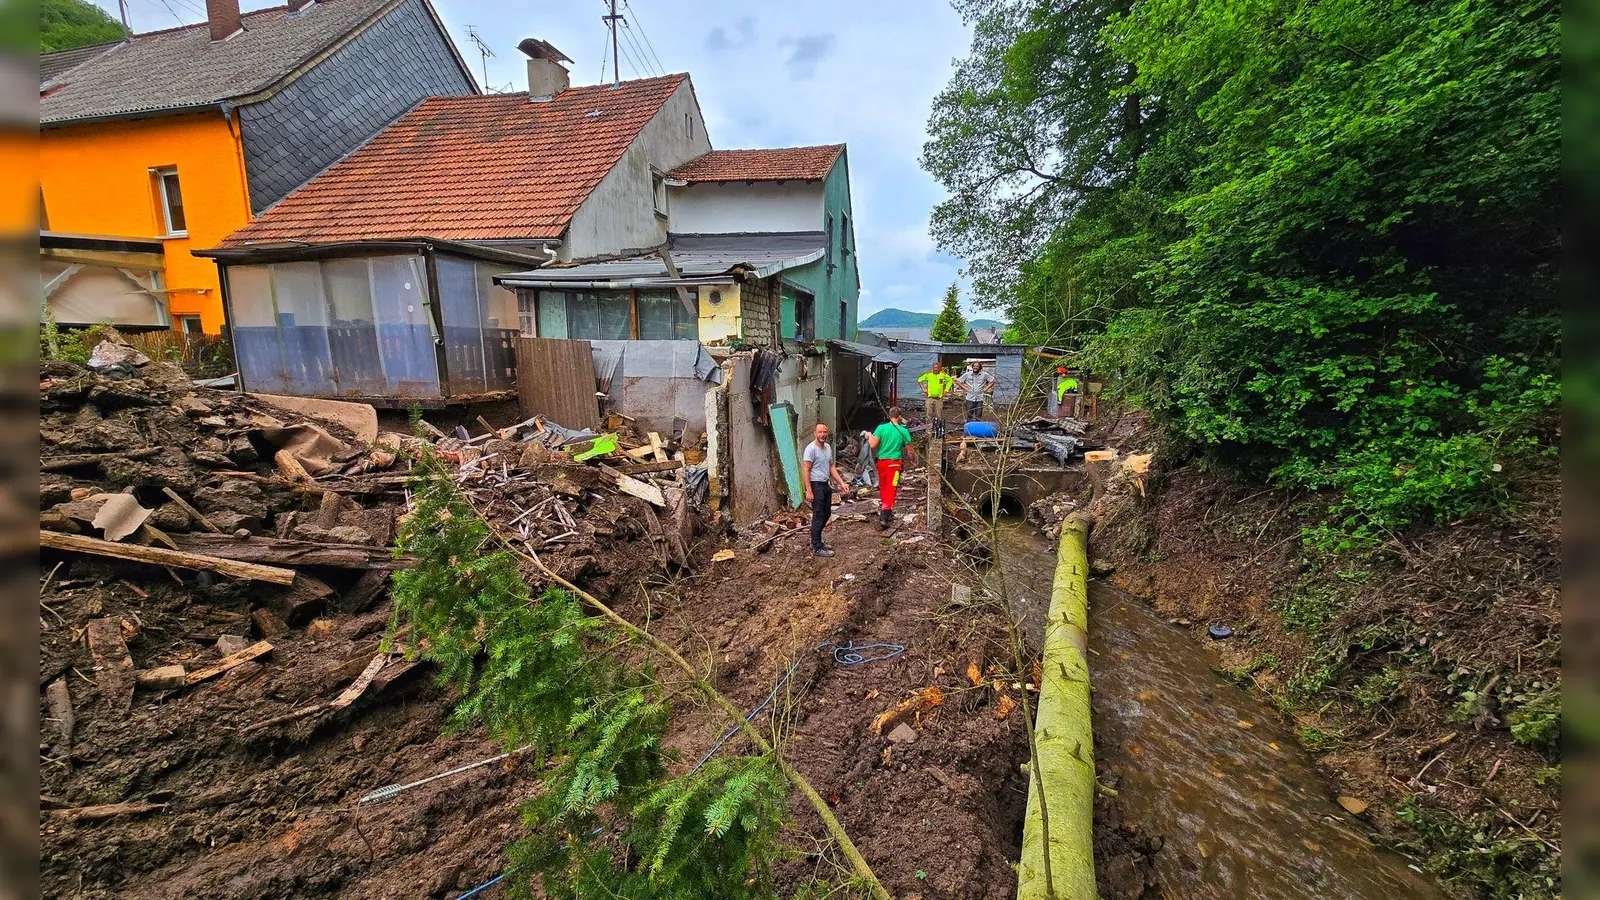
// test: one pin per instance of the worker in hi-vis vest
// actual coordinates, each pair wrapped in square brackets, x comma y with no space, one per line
[1066,394]
[935,384]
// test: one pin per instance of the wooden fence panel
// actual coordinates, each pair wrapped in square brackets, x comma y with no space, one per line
[555,379]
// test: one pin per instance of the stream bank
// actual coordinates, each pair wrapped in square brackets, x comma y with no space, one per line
[1423,675]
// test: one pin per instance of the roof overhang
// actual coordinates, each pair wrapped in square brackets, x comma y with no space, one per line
[297,251]
[221,106]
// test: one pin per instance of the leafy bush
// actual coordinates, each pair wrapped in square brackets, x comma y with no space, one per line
[1535,718]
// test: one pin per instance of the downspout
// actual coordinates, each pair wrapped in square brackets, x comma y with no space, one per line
[238,155]
[430,261]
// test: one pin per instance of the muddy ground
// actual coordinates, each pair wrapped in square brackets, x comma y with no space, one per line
[1403,668]
[237,805]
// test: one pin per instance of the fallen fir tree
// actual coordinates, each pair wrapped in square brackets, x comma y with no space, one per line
[538,671]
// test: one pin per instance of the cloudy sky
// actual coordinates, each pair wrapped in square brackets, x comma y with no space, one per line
[767,75]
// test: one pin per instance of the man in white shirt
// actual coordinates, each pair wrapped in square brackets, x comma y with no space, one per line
[820,473]
[978,384]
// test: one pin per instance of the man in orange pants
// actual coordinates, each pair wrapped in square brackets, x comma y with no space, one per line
[891,441]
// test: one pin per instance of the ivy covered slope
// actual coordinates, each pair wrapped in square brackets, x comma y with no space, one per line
[1319,240]
[535,670]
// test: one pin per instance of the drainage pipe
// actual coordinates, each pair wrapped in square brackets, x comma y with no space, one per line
[1061,787]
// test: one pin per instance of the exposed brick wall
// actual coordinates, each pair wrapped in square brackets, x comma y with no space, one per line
[759,304]
[346,99]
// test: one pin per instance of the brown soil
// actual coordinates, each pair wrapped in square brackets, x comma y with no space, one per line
[252,811]
[1370,654]
[940,816]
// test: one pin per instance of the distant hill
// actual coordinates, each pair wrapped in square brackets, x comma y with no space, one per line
[904,318]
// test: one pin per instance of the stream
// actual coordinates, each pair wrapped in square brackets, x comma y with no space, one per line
[1240,808]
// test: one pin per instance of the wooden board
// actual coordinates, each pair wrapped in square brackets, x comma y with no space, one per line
[555,379]
[163,557]
[286,551]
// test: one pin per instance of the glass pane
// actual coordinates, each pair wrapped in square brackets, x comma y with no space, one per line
[663,317]
[499,304]
[352,331]
[405,330]
[599,316]
[174,198]
[553,314]
[255,331]
[303,328]
[463,329]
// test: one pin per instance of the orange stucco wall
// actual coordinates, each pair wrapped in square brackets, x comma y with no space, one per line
[96,180]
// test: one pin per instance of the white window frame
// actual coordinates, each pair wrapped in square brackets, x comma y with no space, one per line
[166,202]
[658,192]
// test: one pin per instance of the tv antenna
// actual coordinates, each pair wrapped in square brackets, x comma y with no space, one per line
[483,54]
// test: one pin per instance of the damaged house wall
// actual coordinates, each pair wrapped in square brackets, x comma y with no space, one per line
[655,382]
[627,212]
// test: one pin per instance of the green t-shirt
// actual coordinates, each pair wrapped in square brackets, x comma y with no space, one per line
[892,440]
[937,383]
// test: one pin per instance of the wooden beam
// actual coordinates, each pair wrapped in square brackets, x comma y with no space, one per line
[656,447]
[647,468]
[636,488]
[160,556]
[284,551]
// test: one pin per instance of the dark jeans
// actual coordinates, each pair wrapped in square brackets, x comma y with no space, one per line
[974,410]
[821,510]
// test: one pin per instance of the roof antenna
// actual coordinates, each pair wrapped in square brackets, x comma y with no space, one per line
[483,53]
[611,22]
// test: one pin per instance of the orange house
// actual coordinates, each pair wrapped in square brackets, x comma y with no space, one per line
[169,141]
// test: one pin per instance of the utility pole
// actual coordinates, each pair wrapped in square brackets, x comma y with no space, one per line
[611,22]
[127,32]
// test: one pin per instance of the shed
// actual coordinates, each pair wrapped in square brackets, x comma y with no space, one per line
[919,356]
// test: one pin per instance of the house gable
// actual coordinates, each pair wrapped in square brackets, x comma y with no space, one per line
[619,215]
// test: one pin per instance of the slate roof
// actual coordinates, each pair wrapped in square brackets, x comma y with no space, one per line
[53,64]
[474,168]
[182,68]
[696,256]
[780,164]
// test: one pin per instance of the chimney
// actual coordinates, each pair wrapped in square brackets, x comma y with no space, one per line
[223,16]
[297,5]
[547,77]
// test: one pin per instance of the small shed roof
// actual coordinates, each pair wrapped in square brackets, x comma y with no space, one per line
[876,354]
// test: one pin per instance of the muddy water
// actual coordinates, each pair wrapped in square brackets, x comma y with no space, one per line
[1240,809]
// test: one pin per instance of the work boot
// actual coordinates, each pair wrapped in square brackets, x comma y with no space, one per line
[822,551]
[885,519]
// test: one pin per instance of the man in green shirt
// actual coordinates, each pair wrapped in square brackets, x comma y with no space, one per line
[1066,395]
[935,384]
[892,443]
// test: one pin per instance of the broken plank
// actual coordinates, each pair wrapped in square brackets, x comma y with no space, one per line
[346,697]
[61,463]
[656,447]
[635,488]
[230,661]
[164,678]
[161,556]
[292,470]
[641,452]
[113,664]
[106,811]
[290,552]
[647,468]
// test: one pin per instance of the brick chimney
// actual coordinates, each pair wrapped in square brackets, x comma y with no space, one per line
[223,16]
[547,76]
[297,5]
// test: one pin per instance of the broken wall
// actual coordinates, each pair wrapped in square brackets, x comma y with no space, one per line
[654,382]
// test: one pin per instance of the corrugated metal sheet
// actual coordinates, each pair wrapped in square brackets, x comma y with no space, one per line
[696,256]
[876,354]
[555,379]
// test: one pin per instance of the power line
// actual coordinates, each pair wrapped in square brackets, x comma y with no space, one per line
[174,12]
[627,32]
[642,33]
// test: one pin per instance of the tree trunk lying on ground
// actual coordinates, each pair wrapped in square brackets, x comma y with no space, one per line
[1058,833]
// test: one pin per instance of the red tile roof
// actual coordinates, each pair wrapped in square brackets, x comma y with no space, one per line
[782,164]
[493,167]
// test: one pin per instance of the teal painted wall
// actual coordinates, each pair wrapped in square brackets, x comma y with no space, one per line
[843,283]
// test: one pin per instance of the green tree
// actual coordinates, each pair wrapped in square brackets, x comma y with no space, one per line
[1321,246]
[65,24]
[949,326]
